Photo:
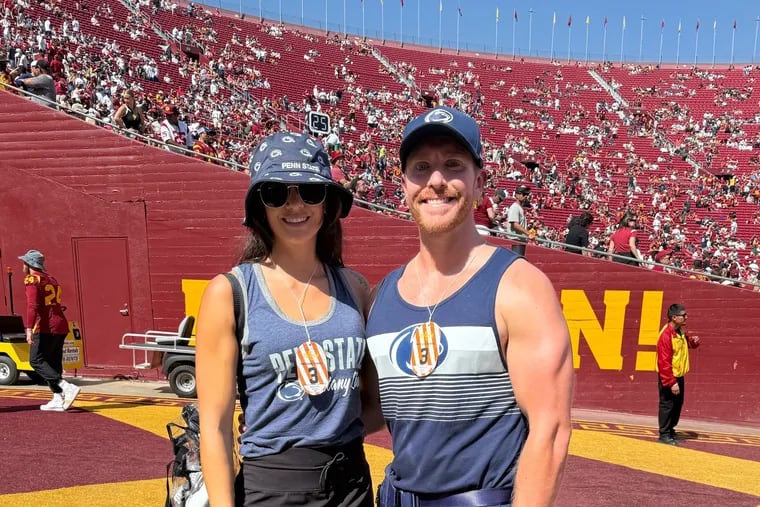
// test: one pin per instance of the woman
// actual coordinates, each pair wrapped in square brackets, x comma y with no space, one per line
[302,349]
[129,115]
[623,242]
[577,234]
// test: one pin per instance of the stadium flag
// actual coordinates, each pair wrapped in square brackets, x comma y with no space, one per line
[715,25]
[623,23]
[588,19]
[605,21]
[459,9]
[697,25]
[734,24]
[440,6]
[679,26]
[554,18]
[497,14]
[662,25]
[515,14]
[402,3]
[569,21]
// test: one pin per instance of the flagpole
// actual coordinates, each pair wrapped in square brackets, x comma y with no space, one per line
[440,15]
[604,42]
[382,20]
[622,40]
[554,24]
[587,24]
[459,15]
[514,29]
[696,45]
[715,33]
[280,11]
[301,11]
[754,48]
[418,20]
[530,29]
[733,37]
[326,29]
[402,23]
[497,32]
[344,18]
[261,17]
[363,34]
[569,31]
[678,44]
[662,31]
[641,39]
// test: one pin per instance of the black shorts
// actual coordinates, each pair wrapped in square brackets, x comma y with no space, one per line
[327,477]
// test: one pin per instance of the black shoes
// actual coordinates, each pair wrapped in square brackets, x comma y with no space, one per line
[667,439]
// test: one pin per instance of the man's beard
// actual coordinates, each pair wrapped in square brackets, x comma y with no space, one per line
[465,206]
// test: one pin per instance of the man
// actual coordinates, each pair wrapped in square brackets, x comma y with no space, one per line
[202,147]
[663,258]
[174,132]
[577,234]
[41,84]
[516,222]
[672,366]
[46,330]
[474,364]
[337,170]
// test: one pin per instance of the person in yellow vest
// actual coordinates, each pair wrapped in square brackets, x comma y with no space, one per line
[672,366]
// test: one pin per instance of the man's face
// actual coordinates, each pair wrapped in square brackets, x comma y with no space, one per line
[441,183]
[25,269]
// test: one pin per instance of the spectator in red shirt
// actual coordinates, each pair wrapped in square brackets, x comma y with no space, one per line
[46,330]
[623,241]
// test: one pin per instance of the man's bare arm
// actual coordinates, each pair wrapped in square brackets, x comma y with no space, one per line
[533,330]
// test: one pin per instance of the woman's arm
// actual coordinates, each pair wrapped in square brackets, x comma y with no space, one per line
[118,117]
[216,366]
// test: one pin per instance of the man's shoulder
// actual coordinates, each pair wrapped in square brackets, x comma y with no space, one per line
[32,279]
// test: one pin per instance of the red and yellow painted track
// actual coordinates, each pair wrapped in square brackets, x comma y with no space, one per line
[113,450]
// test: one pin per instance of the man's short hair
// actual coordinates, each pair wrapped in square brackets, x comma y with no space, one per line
[675,309]
[41,64]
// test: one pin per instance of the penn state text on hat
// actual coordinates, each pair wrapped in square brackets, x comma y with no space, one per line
[444,121]
[34,259]
[292,158]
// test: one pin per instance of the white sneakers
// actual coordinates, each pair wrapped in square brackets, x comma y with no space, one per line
[62,401]
[70,393]
[54,405]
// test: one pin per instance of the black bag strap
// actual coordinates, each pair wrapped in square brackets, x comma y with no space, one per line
[237,304]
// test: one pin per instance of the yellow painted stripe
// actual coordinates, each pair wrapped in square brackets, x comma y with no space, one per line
[700,467]
[150,418]
[150,492]
[378,458]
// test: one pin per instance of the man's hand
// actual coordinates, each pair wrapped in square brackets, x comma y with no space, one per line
[29,338]
[694,339]
[675,389]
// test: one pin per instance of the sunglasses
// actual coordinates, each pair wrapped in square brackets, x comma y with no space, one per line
[275,195]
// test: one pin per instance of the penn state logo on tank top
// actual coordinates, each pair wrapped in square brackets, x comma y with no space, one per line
[418,349]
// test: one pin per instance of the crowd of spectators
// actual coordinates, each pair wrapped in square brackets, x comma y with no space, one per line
[679,157]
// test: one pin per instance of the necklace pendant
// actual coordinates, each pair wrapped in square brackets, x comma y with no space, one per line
[425,349]
[311,366]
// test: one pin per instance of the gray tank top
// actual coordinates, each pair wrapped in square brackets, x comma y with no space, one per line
[278,413]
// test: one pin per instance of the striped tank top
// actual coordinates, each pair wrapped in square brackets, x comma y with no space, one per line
[459,428]
[278,413]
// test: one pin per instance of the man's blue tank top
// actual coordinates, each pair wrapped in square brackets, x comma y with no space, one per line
[458,429]
[278,413]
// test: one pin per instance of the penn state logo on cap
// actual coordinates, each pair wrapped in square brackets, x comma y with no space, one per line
[439,116]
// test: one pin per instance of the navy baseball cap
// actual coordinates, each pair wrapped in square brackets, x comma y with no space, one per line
[289,157]
[442,121]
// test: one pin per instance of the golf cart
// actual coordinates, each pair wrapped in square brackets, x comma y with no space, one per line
[175,352]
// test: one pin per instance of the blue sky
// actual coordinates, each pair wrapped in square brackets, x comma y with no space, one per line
[478,31]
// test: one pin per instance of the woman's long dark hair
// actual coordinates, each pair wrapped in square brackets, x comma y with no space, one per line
[329,237]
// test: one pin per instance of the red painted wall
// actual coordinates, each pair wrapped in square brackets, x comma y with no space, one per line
[182,219]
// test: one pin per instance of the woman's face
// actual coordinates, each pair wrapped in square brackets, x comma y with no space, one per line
[299,218]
